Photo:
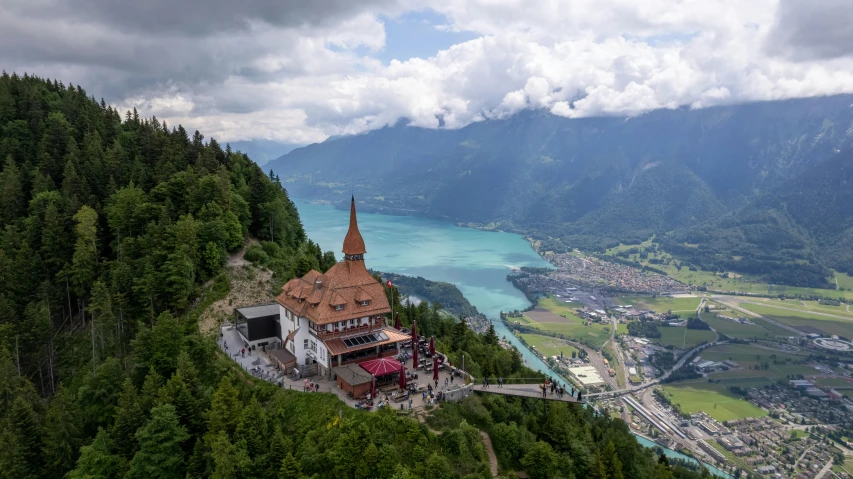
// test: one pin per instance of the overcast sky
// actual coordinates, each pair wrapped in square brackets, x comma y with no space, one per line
[298,71]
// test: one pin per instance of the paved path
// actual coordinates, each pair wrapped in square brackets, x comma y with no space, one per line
[490,452]
[802,456]
[825,470]
[523,390]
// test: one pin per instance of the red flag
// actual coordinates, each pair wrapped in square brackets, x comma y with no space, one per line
[388,283]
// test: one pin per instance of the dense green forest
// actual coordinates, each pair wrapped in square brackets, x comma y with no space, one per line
[447,294]
[739,181]
[116,231]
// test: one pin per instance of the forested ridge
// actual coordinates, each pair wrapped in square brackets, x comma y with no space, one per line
[115,234]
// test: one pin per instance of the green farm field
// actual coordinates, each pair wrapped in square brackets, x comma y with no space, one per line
[548,346]
[661,304]
[521,320]
[844,281]
[806,321]
[734,329]
[807,306]
[748,356]
[712,399]
[557,306]
[594,333]
[551,315]
[681,337]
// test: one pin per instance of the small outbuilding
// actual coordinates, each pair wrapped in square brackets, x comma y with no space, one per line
[353,379]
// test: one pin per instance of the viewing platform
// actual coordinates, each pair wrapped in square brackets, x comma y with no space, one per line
[524,390]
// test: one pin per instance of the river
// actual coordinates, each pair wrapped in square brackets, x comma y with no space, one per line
[476,261]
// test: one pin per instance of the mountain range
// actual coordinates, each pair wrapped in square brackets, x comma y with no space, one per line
[757,188]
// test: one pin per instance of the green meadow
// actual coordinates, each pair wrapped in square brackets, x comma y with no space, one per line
[713,399]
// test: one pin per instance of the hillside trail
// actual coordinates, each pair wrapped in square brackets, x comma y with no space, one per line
[490,451]
[249,285]
[487,442]
[237,258]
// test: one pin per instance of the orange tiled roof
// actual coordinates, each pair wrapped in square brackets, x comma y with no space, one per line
[336,346]
[353,242]
[361,295]
[344,283]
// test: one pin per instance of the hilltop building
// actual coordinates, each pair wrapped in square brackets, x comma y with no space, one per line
[327,320]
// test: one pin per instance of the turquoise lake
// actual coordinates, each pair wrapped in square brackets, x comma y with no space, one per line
[477,262]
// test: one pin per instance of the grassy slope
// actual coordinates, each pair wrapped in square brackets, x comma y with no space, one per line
[713,399]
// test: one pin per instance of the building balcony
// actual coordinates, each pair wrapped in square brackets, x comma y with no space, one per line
[355,331]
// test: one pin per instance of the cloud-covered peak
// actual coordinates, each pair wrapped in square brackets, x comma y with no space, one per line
[298,72]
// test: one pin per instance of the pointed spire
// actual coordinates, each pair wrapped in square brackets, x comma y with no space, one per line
[353,242]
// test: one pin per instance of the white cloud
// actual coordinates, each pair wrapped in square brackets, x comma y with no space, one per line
[301,81]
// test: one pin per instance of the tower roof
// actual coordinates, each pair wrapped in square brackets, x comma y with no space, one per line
[353,242]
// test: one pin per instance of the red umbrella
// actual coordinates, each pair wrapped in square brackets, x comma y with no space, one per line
[432,346]
[435,370]
[403,378]
[397,323]
[381,366]
[414,344]
[372,387]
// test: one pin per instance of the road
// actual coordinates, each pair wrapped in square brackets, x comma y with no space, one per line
[665,375]
[802,456]
[825,470]
[699,315]
[596,359]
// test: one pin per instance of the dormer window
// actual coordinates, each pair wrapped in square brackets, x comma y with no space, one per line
[339,307]
[366,302]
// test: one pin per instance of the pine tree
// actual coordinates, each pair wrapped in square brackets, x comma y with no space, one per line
[24,423]
[253,429]
[97,460]
[85,259]
[61,433]
[612,461]
[12,192]
[225,410]
[160,455]
[491,338]
[129,418]
[229,460]
[289,468]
